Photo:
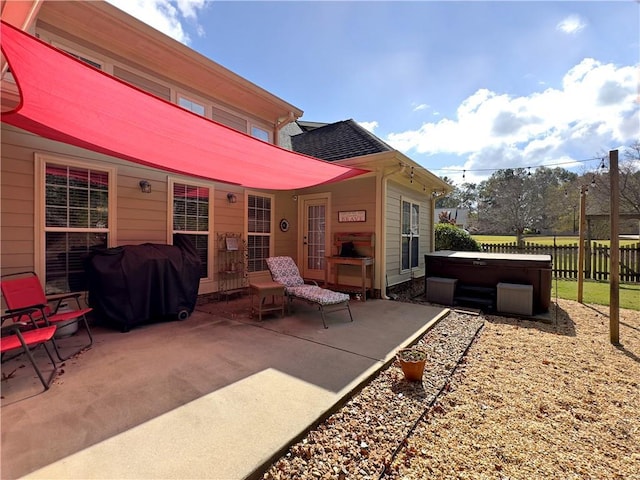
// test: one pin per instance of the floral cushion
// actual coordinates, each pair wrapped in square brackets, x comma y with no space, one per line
[316,294]
[285,271]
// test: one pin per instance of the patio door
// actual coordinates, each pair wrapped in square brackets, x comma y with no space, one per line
[314,236]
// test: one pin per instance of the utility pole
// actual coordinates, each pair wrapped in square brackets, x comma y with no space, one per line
[582,227]
[614,264]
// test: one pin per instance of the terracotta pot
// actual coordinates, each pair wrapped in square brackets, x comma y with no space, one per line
[412,362]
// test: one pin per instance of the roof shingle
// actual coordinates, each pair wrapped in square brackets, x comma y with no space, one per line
[337,141]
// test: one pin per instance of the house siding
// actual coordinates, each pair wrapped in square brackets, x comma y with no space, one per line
[355,194]
[395,193]
[141,218]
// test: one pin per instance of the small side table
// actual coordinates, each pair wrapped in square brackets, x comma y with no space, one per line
[262,290]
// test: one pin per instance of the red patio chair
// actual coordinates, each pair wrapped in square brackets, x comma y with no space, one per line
[24,291]
[13,339]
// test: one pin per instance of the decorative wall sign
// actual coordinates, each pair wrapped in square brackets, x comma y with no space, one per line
[284,225]
[353,216]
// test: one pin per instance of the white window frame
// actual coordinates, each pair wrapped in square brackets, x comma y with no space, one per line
[255,126]
[40,229]
[190,98]
[80,55]
[261,234]
[171,181]
[413,237]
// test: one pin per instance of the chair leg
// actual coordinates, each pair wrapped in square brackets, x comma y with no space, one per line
[322,315]
[45,383]
[349,309]
[57,349]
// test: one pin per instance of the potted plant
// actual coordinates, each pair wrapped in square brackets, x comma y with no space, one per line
[412,361]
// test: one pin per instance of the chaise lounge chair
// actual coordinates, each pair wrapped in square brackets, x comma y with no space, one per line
[285,271]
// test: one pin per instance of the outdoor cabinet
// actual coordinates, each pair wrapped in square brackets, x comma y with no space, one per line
[487,270]
[515,298]
[441,290]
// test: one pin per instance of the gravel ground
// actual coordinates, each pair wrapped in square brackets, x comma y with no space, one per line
[358,441]
[528,400]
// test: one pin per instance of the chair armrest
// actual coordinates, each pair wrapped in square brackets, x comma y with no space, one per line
[59,297]
[13,327]
[62,296]
[24,310]
[311,282]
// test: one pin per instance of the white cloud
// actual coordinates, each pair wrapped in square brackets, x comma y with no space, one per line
[164,15]
[370,126]
[595,108]
[571,25]
[422,106]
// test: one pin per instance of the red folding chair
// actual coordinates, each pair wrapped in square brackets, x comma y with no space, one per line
[14,339]
[24,291]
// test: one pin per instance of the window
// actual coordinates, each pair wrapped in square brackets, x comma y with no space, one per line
[410,234]
[76,220]
[259,231]
[192,106]
[259,133]
[191,218]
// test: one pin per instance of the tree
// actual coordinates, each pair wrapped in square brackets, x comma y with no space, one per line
[599,187]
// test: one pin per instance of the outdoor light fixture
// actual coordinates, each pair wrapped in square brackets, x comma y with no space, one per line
[231,197]
[145,186]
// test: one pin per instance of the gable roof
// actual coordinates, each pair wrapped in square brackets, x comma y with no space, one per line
[337,141]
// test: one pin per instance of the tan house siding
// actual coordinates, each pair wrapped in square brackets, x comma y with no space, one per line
[355,194]
[392,235]
[16,197]
[143,83]
[229,119]
[395,193]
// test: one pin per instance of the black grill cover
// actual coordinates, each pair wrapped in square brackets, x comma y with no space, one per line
[135,284]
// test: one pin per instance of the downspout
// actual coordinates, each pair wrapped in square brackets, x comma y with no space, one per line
[281,122]
[381,250]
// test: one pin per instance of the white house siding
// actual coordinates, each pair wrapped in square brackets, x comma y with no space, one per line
[395,192]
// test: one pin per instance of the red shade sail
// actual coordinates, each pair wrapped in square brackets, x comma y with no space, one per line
[64,99]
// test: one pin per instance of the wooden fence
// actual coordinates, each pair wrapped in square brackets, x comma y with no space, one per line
[565,259]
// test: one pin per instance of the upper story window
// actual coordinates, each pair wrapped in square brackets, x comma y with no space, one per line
[260,133]
[191,105]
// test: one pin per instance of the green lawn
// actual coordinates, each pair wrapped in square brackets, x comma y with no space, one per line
[597,293]
[542,240]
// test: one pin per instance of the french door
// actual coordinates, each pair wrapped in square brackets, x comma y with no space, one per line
[314,236]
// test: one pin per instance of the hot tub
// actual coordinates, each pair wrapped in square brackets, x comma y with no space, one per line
[484,271]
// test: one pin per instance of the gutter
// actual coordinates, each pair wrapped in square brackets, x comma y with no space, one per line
[381,251]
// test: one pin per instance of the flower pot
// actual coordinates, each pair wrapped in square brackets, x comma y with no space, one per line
[412,361]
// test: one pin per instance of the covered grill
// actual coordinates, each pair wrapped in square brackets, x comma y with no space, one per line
[135,284]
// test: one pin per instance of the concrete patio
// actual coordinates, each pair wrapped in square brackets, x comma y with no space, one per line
[217,396]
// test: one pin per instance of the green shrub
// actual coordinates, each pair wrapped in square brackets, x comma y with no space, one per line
[450,237]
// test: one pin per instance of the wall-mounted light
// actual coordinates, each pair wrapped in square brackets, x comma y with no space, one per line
[231,197]
[145,186]
[294,198]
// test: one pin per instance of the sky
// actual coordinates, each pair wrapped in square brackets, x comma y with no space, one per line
[462,88]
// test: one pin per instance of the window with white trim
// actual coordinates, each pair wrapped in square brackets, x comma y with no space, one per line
[191,105]
[259,227]
[260,133]
[190,212]
[410,234]
[76,220]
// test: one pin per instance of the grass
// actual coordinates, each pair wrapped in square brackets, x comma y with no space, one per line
[597,293]
[542,240]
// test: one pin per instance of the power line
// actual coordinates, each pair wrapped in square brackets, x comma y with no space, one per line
[465,170]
